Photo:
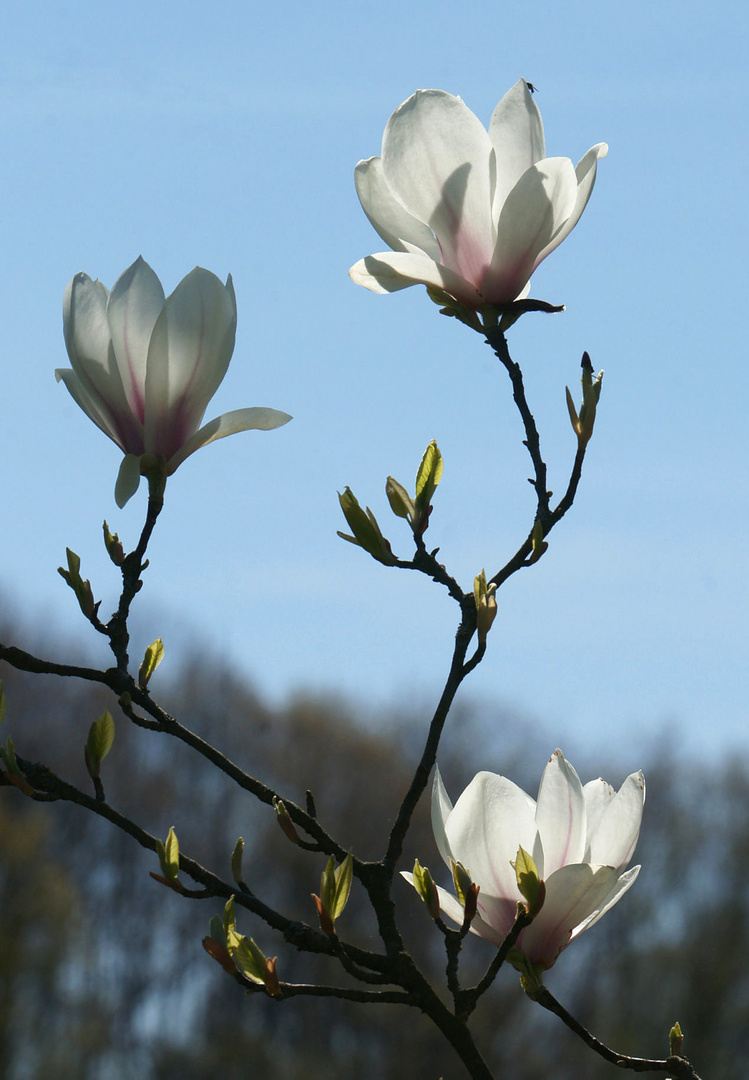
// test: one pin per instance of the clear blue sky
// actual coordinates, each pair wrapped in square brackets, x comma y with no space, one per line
[225,135]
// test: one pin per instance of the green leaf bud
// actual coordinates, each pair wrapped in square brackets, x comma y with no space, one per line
[426,889]
[428,477]
[461,880]
[400,501]
[530,885]
[114,548]
[153,656]
[81,588]
[236,862]
[99,743]
[366,531]
[486,605]
[284,820]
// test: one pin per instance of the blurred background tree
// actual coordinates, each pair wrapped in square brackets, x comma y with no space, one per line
[102,973]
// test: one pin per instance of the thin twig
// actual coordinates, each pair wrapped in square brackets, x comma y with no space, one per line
[678,1066]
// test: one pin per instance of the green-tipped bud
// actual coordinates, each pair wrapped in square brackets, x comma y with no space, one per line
[12,770]
[81,588]
[530,885]
[236,862]
[153,656]
[426,889]
[486,605]
[248,957]
[335,886]
[400,501]
[366,531]
[538,544]
[115,550]
[461,880]
[284,820]
[229,922]
[99,743]
[216,927]
[676,1040]
[428,477]
[583,421]
[169,856]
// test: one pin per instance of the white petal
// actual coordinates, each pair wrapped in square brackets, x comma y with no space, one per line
[400,230]
[531,218]
[560,815]
[586,178]
[118,424]
[441,810]
[613,842]
[128,479]
[573,894]
[135,304]
[84,319]
[190,349]
[89,346]
[258,418]
[390,271]
[597,794]
[90,403]
[517,134]
[437,158]
[625,882]
[490,820]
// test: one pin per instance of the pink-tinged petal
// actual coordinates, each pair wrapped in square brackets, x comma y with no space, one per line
[625,882]
[490,820]
[441,810]
[517,135]
[89,346]
[400,230]
[498,913]
[573,894]
[116,422]
[190,350]
[390,271]
[436,156]
[613,842]
[253,419]
[86,400]
[532,215]
[586,178]
[560,816]
[128,479]
[135,304]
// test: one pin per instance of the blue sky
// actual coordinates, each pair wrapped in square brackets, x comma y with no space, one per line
[225,135]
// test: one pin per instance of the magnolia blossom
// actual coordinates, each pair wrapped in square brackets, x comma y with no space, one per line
[581,838]
[145,367]
[467,211]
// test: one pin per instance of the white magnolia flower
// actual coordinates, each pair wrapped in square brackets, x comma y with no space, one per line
[468,211]
[581,838]
[145,367]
